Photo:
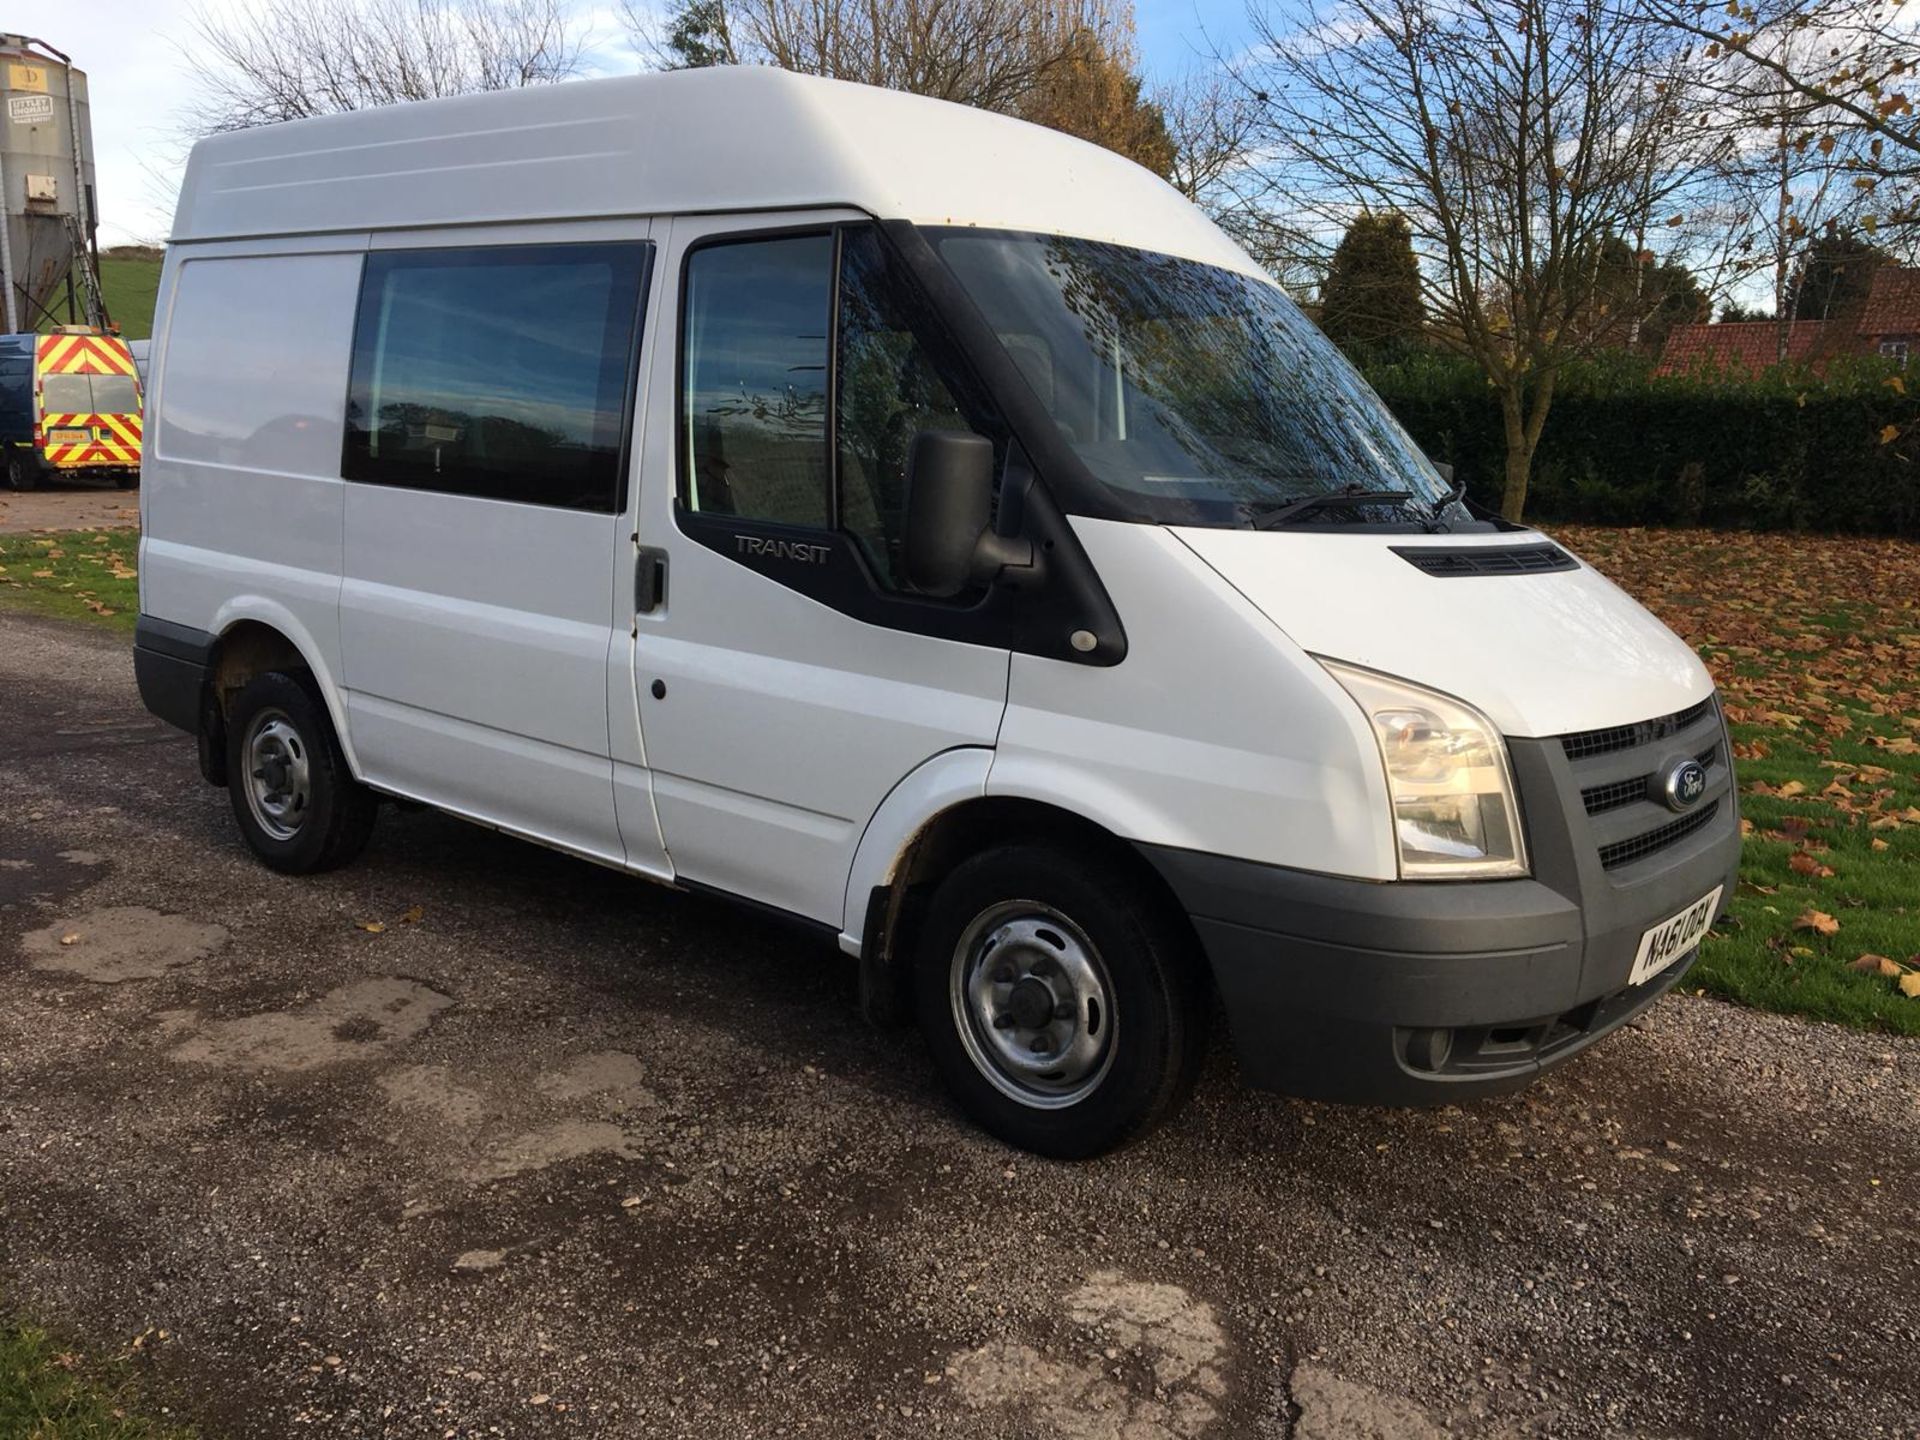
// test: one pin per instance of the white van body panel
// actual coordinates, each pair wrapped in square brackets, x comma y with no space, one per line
[727,138]
[474,634]
[1540,654]
[240,495]
[1285,773]
[948,779]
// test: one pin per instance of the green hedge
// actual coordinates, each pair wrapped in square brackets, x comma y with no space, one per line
[1781,450]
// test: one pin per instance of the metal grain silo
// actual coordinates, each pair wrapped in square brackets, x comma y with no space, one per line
[46,181]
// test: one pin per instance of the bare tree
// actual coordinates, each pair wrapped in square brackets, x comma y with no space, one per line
[289,59]
[1839,75]
[1214,121]
[994,54]
[1520,138]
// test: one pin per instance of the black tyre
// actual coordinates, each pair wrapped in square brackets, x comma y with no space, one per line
[1065,1011]
[22,474]
[296,802]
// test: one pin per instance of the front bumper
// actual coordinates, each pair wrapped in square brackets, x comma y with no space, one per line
[1426,992]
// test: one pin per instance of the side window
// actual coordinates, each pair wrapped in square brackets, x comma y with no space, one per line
[889,390]
[500,372]
[753,382]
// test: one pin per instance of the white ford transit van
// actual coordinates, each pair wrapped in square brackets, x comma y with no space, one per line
[927,526]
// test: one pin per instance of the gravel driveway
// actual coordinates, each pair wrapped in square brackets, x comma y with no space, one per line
[74,505]
[471,1139]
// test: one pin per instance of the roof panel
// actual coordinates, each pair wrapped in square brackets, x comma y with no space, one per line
[679,142]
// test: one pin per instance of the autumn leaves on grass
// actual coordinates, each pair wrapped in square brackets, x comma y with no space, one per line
[1814,642]
[87,574]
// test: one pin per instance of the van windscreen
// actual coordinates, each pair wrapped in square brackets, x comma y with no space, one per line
[1198,395]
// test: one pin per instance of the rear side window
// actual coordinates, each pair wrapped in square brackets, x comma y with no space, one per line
[502,372]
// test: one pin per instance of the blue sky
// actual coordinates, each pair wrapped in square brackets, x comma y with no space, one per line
[134,54]
[1178,35]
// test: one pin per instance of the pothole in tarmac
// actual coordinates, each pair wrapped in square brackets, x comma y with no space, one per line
[352,1022]
[1152,1368]
[109,947]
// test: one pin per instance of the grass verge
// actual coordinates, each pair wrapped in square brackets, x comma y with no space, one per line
[75,574]
[50,1393]
[1815,643]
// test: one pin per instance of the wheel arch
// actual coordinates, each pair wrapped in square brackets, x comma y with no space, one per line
[253,640]
[894,906]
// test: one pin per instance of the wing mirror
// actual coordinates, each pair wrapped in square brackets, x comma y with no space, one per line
[949,543]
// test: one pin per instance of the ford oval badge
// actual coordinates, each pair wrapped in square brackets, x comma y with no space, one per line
[1686,783]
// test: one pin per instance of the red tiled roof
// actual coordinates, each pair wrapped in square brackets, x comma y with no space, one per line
[1748,344]
[1893,303]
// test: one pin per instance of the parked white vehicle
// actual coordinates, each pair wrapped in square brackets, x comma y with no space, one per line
[928,526]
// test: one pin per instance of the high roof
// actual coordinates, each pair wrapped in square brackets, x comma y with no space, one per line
[689,141]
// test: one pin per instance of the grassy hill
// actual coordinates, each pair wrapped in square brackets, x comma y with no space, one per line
[130,278]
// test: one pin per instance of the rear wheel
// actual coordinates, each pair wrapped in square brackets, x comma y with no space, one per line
[1063,1009]
[21,473]
[296,802]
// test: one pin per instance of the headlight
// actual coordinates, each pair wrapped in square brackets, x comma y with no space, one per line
[1454,814]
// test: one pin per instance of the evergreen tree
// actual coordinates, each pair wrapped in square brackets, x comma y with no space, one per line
[698,35]
[1833,277]
[1096,96]
[1371,302]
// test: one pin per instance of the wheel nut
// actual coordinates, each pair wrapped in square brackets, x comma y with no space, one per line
[1003,1022]
[1038,1044]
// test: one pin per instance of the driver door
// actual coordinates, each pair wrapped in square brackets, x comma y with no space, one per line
[786,679]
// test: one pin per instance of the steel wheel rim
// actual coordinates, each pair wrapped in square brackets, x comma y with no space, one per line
[1033,1004]
[279,780]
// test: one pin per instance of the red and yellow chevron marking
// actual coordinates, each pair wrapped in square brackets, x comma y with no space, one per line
[113,440]
[83,355]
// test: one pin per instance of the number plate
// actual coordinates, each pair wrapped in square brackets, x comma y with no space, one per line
[69,437]
[1670,939]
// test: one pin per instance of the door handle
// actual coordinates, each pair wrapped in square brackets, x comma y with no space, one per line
[649,579]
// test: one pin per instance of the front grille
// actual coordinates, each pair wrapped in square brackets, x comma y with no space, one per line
[1448,561]
[1598,799]
[1620,773]
[1588,743]
[1625,852]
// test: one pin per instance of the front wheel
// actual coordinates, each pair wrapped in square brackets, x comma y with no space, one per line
[1064,1010]
[296,802]
[21,474]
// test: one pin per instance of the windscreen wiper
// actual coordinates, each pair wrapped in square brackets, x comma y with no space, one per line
[1292,509]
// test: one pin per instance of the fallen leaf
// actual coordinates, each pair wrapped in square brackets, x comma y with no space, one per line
[373,927]
[411,915]
[1910,984]
[1801,863]
[1817,921]
[1877,965]
[72,937]
[1791,789]
[1878,843]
